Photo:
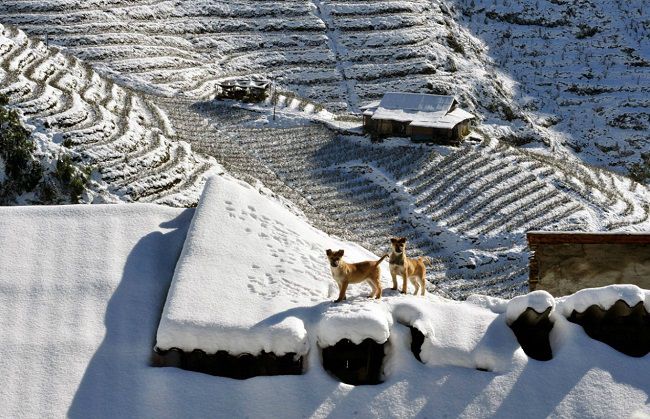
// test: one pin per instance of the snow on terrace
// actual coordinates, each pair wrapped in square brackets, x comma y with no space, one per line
[82,289]
[248,270]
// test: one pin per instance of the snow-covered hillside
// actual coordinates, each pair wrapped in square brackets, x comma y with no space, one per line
[580,68]
[570,74]
[119,133]
[77,330]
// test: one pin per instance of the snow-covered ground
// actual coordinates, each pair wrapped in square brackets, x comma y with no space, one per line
[78,318]
[581,70]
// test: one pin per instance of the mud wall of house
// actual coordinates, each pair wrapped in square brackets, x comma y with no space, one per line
[563,269]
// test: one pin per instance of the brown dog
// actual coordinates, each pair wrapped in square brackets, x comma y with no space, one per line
[352,273]
[411,269]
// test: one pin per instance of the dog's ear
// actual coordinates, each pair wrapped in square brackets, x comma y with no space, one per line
[402,240]
[393,239]
[329,252]
[340,252]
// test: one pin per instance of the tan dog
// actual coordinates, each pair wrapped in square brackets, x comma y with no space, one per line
[352,273]
[411,269]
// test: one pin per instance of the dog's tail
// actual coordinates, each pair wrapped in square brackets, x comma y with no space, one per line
[426,260]
[381,259]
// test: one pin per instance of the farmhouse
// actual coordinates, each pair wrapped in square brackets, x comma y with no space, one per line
[566,262]
[424,118]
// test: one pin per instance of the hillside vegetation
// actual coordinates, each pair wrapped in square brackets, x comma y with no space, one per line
[572,75]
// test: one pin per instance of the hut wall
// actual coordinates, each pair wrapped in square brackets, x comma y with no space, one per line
[565,268]
[422,134]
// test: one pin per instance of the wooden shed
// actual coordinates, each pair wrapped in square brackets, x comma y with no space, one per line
[422,117]
[565,262]
[244,89]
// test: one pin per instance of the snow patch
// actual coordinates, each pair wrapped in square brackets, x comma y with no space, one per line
[538,300]
[604,297]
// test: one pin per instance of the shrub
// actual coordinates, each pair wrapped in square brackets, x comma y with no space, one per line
[640,172]
[24,173]
[22,170]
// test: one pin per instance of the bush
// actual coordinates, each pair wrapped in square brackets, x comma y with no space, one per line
[72,180]
[454,44]
[640,172]
[22,170]
[24,173]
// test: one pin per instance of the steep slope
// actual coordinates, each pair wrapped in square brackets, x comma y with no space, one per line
[120,133]
[581,69]
[564,73]
[467,207]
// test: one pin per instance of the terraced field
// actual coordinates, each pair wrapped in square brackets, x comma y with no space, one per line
[468,208]
[121,133]
[337,53]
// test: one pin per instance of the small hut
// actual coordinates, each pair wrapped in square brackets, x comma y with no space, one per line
[422,117]
[243,89]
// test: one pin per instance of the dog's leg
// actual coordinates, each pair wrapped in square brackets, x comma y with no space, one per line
[373,288]
[343,288]
[423,282]
[404,283]
[393,274]
[376,282]
[416,284]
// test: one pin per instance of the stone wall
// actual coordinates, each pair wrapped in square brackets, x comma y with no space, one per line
[565,263]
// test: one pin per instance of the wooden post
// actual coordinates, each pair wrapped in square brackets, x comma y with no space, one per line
[275,98]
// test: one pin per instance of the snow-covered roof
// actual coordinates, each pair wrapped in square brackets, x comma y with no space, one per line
[420,110]
[448,120]
[246,250]
[418,102]
[370,105]
[81,289]
[248,82]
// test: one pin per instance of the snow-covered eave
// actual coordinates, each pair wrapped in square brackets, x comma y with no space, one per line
[447,121]
[405,115]
[603,297]
[370,106]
